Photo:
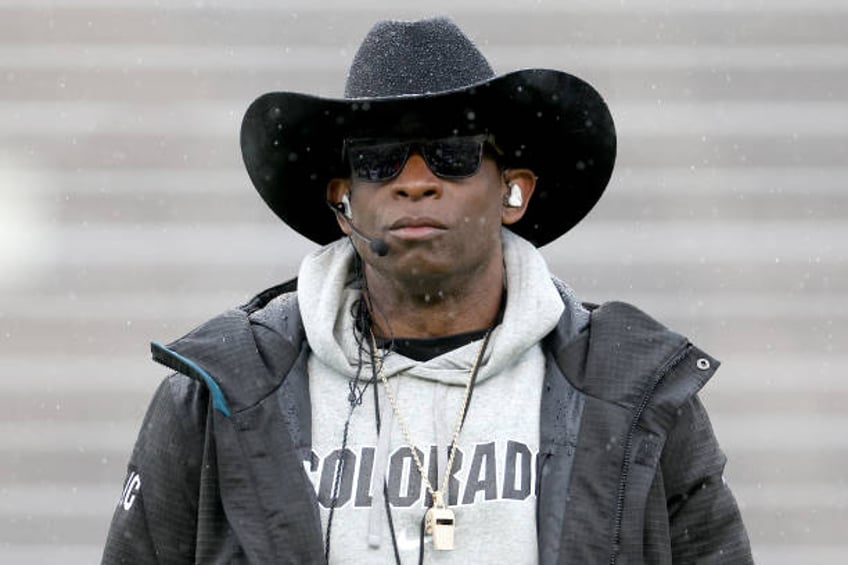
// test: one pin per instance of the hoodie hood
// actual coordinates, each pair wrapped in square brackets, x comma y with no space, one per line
[327,291]
[433,390]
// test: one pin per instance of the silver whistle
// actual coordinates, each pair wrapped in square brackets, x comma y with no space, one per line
[440,524]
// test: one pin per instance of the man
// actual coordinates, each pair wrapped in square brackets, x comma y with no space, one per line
[425,390]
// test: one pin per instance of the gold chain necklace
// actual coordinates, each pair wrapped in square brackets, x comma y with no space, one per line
[439,521]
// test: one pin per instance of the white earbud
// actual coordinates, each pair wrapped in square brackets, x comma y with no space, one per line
[348,211]
[515,199]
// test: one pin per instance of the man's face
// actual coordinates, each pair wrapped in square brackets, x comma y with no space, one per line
[435,228]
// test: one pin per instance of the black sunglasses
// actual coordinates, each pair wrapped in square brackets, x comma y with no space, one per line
[449,158]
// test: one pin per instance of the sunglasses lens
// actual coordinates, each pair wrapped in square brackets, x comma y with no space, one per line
[378,162]
[455,157]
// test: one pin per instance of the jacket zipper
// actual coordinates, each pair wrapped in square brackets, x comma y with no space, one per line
[628,445]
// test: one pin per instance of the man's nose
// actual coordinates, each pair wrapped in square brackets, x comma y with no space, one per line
[416,180]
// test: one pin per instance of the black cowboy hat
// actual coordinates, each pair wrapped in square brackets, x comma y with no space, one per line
[426,79]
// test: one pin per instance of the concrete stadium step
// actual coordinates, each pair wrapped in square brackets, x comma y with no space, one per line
[746,335]
[592,280]
[726,307]
[601,63]
[626,84]
[189,149]
[728,199]
[28,338]
[295,27]
[742,376]
[807,508]
[721,397]
[658,118]
[676,245]
[102,460]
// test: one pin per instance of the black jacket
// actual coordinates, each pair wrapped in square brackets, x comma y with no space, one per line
[630,471]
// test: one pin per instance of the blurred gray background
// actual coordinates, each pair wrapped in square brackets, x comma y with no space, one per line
[125,216]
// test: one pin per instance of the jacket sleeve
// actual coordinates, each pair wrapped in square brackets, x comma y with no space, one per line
[705,524]
[155,518]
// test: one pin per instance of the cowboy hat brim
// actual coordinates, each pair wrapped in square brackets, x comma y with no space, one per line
[548,121]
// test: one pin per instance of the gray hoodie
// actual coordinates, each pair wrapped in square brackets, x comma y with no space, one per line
[491,487]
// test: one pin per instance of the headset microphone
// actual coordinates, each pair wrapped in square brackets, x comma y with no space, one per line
[378,246]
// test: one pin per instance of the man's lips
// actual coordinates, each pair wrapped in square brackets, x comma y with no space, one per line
[416,228]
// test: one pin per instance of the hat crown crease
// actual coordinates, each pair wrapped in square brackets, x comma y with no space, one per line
[412,58]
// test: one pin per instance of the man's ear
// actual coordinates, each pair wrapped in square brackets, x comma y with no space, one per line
[517,190]
[336,189]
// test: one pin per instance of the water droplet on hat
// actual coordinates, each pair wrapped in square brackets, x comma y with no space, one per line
[292,157]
